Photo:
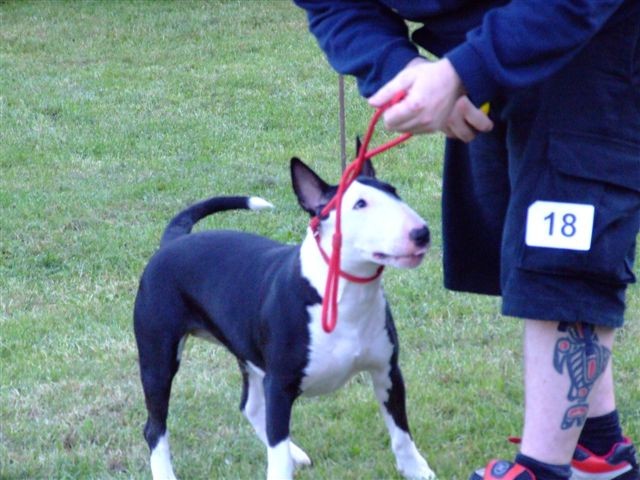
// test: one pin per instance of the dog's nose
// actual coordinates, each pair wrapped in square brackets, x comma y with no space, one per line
[420,236]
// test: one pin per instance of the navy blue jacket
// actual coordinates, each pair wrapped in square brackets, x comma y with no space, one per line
[492,44]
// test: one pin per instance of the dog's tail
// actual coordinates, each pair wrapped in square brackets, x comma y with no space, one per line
[183,222]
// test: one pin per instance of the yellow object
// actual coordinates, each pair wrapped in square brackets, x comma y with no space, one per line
[485,108]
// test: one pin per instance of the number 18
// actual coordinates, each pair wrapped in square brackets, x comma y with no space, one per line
[568,228]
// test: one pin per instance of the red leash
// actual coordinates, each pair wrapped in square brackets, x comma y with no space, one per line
[330,299]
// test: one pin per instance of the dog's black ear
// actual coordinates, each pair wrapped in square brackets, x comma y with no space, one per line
[367,167]
[368,170]
[309,187]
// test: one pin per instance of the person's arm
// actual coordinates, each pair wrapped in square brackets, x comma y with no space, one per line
[516,46]
[361,38]
[525,42]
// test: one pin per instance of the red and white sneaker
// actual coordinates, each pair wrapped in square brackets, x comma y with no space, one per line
[503,470]
[619,463]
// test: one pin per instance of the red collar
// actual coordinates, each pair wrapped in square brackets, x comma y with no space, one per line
[346,275]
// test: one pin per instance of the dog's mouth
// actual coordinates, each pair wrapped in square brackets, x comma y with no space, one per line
[410,260]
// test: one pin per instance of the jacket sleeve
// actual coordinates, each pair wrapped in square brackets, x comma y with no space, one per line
[526,41]
[361,38]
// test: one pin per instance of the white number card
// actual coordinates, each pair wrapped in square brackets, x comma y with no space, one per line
[560,225]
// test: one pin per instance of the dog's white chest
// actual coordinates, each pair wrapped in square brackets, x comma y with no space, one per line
[352,347]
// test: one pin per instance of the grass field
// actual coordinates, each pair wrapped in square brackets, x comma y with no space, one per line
[113,116]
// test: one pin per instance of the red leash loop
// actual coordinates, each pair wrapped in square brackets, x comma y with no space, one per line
[330,299]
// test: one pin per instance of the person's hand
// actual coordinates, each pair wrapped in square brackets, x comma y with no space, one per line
[466,121]
[432,90]
[435,101]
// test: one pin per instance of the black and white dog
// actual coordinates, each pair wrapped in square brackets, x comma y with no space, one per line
[262,301]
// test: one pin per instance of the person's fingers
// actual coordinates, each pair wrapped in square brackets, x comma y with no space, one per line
[448,132]
[409,114]
[402,81]
[461,131]
[475,116]
[466,121]
[409,123]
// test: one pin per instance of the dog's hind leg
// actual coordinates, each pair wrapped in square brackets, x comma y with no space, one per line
[159,362]
[253,406]
[390,392]
[252,403]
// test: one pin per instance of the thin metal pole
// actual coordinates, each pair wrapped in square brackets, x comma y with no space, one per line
[343,134]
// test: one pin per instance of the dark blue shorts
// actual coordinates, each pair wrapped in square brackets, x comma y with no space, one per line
[545,210]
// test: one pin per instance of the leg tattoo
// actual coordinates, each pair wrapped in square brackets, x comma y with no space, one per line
[585,360]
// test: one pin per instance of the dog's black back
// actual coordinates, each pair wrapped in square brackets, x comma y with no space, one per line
[244,261]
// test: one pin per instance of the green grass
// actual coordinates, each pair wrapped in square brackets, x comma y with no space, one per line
[114,115]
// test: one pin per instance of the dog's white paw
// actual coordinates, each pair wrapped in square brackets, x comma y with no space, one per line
[160,461]
[416,469]
[300,458]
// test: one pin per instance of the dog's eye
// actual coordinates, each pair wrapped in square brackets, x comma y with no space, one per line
[360,204]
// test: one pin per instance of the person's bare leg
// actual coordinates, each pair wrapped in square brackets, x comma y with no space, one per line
[602,400]
[567,373]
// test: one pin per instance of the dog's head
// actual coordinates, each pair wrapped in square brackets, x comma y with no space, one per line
[377,226]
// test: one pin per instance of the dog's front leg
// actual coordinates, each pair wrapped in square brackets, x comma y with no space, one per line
[390,392]
[280,394]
